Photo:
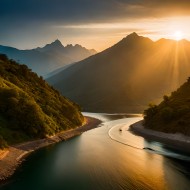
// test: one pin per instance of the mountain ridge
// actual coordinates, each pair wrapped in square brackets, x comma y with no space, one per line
[126,76]
[48,58]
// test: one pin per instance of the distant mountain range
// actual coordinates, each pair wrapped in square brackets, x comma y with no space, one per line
[127,76]
[48,58]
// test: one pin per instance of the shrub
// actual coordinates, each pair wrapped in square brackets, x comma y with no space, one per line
[30,106]
[166,114]
[3,143]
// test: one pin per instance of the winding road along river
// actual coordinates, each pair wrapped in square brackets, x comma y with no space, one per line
[106,158]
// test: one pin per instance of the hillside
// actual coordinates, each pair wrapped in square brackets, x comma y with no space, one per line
[29,107]
[172,115]
[127,76]
[48,58]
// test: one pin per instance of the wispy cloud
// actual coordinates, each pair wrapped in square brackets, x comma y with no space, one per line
[34,22]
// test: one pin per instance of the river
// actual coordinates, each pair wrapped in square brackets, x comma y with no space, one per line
[106,158]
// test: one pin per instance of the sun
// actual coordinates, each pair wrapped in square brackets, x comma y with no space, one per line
[178,35]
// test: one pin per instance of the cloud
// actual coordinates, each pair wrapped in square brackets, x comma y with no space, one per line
[87,11]
[27,22]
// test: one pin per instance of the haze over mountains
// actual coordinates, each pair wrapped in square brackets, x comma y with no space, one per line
[127,76]
[48,58]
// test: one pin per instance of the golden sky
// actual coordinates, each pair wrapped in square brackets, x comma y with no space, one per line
[103,35]
[94,24]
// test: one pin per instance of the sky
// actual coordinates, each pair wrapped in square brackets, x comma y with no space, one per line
[94,24]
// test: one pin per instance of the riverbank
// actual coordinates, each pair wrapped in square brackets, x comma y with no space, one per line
[12,157]
[177,141]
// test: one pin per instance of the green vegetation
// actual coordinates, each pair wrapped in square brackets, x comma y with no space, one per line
[29,107]
[172,115]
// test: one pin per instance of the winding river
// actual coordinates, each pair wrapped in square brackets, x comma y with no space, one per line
[106,158]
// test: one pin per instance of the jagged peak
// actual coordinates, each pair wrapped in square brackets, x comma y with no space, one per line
[134,37]
[56,42]
[54,45]
[78,45]
[71,45]
[74,46]
[134,34]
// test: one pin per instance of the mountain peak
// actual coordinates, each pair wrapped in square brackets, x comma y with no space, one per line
[131,37]
[56,43]
[78,45]
[134,38]
[74,46]
[134,34]
[69,46]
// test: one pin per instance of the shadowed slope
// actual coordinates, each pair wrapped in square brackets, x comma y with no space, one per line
[172,115]
[127,76]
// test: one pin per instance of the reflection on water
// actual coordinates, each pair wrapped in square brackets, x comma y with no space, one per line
[119,132]
[94,161]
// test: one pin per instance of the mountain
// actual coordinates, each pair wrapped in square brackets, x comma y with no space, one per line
[126,76]
[29,107]
[48,58]
[172,115]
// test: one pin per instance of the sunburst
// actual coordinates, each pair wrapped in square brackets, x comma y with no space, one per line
[178,35]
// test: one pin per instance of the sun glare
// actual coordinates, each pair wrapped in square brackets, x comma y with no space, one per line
[178,35]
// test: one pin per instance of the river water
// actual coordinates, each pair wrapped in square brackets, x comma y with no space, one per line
[106,158]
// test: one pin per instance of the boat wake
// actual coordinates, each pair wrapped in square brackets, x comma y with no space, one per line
[119,132]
